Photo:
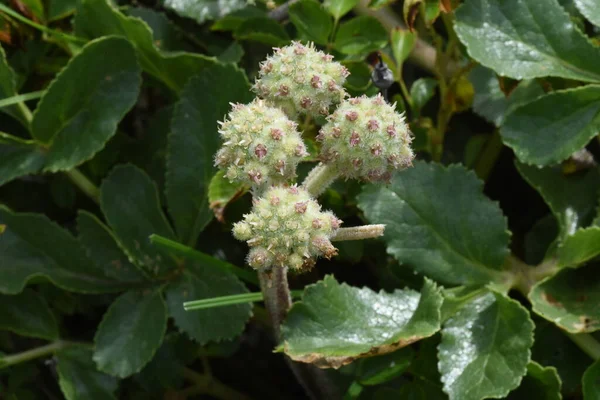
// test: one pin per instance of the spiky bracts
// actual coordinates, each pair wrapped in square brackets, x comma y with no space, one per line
[301,80]
[366,139]
[261,145]
[287,228]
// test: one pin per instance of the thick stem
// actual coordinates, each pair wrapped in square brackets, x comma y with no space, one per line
[319,179]
[32,354]
[83,183]
[358,233]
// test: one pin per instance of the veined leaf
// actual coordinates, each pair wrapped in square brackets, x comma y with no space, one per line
[541,383]
[590,9]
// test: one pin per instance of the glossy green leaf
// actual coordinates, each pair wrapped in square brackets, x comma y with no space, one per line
[439,222]
[202,10]
[28,314]
[360,76]
[263,30]
[8,88]
[541,383]
[580,247]
[311,20]
[77,120]
[402,42]
[221,191]
[591,382]
[318,329]
[421,91]
[490,101]
[79,379]
[552,127]
[339,8]
[130,202]
[130,332]
[525,39]
[570,299]
[590,9]
[102,247]
[19,157]
[33,246]
[571,198]
[360,35]
[193,142]
[485,348]
[202,281]
[96,18]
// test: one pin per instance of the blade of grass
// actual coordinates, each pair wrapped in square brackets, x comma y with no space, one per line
[229,300]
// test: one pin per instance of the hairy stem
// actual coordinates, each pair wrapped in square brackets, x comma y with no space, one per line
[208,385]
[32,354]
[83,183]
[358,233]
[319,179]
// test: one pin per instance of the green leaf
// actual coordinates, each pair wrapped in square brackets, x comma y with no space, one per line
[580,247]
[421,91]
[76,120]
[411,8]
[96,18]
[102,247]
[8,88]
[79,379]
[33,246]
[263,30]
[440,223]
[221,192]
[525,39]
[590,9]
[552,127]
[311,20]
[402,42]
[541,383]
[232,21]
[485,348]
[59,9]
[193,142]
[571,198]
[360,35]
[339,8]
[130,333]
[19,157]
[28,314]
[129,200]
[384,368]
[202,10]
[317,329]
[166,35]
[570,299]
[202,281]
[490,101]
[591,382]
[360,76]
[166,368]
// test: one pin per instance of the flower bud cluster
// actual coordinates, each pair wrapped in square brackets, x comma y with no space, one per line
[287,228]
[261,145]
[366,139]
[301,80]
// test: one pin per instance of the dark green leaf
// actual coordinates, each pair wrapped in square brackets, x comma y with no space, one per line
[59,9]
[311,20]
[28,314]
[318,330]
[384,368]
[32,246]
[591,382]
[130,202]
[402,42]
[79,379]
[580,247]
[193,142]
[339,8]
[233,20]
[130,333]
[166,368]
[8,88]
[526,39]
[541,383]
[485,348]
[421,91]
[221,191]
[440,223]
[263,30]
[202,10]
[19,157]
[412,8]
[590,9]
[552,127]
[570,299]
[360,76]
[165,33]
[360,35]
[96,18]
[201,281]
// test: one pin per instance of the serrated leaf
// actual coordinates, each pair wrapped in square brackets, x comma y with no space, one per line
[541,383]
[439,222]
[490,101]
[552,127]
[96,18]
[78,377]
[28,314]
[591,382]
[311,20]
[360,35]
[570,299]
[8,88]
[339,8]
[335,324]
[33,246]
[202,10]
[263,30]
[202,281]
[130,202]
[571,198]
[580,247]
[485,348]
[74,120]
[19,157]
[130,333]
[590,9]
[193,142]
[221,192]
[525,39]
